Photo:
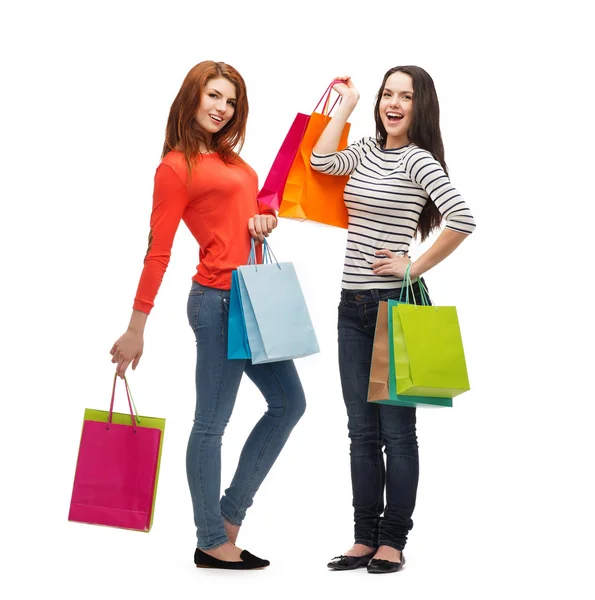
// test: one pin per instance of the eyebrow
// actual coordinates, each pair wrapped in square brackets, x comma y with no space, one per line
[218,92]
[403,92]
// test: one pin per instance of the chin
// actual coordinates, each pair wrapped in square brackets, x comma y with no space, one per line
[208,126]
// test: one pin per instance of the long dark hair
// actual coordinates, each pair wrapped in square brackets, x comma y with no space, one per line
[182,131]
[423,132]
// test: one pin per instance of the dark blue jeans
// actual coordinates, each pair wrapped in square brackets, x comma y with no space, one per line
[217,383]
[374,426]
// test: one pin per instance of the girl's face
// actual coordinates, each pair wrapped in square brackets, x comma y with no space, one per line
[217,105]
[396,109]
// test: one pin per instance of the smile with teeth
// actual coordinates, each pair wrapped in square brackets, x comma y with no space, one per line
[216,118]
[394,117]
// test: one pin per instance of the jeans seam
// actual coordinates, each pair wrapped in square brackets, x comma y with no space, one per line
[266,445]
[223,305]
[202,443]
[381,465]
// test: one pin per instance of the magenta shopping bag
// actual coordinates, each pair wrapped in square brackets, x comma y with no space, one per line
[117,469]
[272,190]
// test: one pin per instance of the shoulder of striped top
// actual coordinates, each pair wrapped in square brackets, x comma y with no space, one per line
[416,158]
[413,151]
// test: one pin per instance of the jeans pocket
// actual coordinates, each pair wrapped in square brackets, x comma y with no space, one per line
[346,304]
[195,300]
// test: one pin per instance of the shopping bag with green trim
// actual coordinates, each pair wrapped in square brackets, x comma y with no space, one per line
[117,470]
[382,386]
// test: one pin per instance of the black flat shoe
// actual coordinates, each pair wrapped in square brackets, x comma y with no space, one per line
[249,561]
[377,565]
[347,563]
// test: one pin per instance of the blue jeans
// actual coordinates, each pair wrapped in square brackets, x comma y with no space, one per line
[372,426]
[217,383]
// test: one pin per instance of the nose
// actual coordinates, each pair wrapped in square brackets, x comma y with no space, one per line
[394,101]
[221,105]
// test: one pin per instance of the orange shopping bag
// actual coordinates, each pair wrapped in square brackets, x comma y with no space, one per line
[308,194]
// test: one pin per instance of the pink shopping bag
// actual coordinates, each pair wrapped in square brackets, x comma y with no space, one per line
[272,190]
[117,468]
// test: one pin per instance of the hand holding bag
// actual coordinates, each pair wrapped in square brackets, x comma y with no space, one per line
[278,323]
[308,194]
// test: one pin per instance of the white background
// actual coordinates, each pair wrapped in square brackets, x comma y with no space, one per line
[505,504]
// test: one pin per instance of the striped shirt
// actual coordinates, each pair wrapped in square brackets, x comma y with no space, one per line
[384,196]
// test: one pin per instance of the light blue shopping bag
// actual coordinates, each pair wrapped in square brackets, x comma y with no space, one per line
[277,320]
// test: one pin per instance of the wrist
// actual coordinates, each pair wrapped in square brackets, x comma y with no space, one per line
[137,323]
[415,271]
[349,102]
[352,94]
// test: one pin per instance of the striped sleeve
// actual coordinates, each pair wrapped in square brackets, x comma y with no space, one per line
[339,163]
[423,169]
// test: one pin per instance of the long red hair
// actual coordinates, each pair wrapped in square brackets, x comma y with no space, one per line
[183,133]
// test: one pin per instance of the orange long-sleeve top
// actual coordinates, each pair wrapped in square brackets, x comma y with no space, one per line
[215,204]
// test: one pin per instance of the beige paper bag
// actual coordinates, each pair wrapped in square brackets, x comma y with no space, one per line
[379,371]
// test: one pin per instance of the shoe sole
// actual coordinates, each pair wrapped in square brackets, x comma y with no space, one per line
[383,572]
[224,569]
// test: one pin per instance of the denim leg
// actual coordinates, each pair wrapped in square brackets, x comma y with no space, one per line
[397,424]
[402,474]
[286,403]
[367,464]
[217,383]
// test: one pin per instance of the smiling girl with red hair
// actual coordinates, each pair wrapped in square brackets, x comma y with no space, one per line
[203,181]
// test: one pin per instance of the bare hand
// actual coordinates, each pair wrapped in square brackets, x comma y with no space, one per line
[346,90]
[394,264]
[128,349]
[260,226]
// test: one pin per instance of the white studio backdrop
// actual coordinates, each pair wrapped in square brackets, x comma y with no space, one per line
[504,503]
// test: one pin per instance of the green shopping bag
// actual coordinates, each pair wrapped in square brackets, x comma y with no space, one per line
[429,359]
[382,384]
[401,399]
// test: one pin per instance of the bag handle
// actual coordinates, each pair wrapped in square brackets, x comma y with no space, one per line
[130,404]
[405,287]
[268,256]
[425,297]
[327,94]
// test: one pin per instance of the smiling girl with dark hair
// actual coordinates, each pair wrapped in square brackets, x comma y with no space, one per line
[398,188]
